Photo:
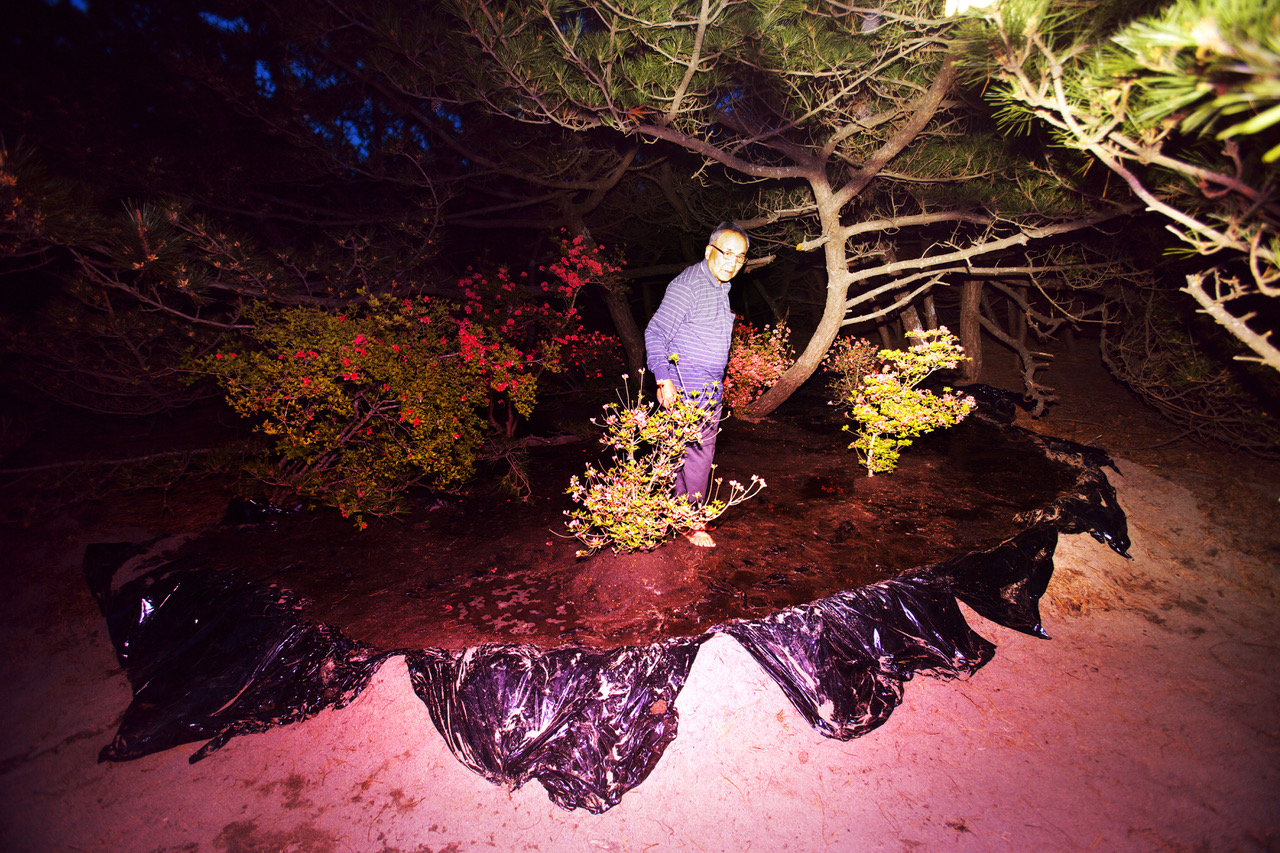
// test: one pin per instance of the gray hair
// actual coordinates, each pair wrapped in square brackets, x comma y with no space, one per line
[728,227]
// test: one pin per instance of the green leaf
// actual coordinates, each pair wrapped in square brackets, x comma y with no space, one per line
[1257,124]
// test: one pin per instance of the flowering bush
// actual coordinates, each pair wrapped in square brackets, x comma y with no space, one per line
[892,411]
[592,356]
[358,406]
[757,359]
[515,329]
[631,505]
[849,359]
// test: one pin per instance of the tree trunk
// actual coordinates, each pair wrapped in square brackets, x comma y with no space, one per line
[911,320]
[930,311]
[1016,320]
[774,309]
[829,204]
[615,299]
[886,337]
[828,327]
[1023,321]
[970,329]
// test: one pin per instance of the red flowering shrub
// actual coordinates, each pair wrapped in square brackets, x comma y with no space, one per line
[757,359]
[849,360]
[356,407]
[514,329]
[593,356]
[359,405]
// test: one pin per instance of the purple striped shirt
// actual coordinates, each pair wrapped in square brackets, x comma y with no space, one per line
[695,322]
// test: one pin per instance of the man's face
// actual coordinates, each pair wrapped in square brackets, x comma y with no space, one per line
[727,255]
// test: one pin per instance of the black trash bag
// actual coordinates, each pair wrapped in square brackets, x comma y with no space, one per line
[842,661]
[1091,507]
[588,724]
[997,403]
[211,656]
[1004,583]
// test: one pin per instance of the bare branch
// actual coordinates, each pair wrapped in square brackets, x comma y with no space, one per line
[1213,304]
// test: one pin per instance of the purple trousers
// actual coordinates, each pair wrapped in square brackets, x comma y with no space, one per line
[694,477]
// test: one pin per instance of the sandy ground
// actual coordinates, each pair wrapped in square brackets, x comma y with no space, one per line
[1151,721]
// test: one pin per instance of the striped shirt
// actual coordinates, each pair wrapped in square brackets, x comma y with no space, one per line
[693,321]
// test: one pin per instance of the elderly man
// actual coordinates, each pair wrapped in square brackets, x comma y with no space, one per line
[695,323]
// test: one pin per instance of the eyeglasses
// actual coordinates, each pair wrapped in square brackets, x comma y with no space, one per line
[732,257]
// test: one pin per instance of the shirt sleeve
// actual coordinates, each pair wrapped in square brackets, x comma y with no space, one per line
[674,311]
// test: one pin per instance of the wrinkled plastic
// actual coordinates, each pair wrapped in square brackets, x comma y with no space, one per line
[1092,506]
[1004,584]
[211,656]
[995,403]
[588,724]
[843,660]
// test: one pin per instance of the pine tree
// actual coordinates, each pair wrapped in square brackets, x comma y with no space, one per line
[1183,105]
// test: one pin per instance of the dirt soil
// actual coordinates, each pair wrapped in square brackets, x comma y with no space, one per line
[1150,721]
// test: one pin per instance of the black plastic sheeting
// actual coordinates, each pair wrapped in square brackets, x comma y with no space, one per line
[210,656]
[842,661]
[588,724]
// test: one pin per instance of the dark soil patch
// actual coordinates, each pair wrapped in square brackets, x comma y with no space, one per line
[488,568]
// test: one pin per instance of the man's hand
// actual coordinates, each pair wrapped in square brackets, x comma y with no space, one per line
[666,393]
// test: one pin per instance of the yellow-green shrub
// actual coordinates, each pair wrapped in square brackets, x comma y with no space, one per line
[357,406]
